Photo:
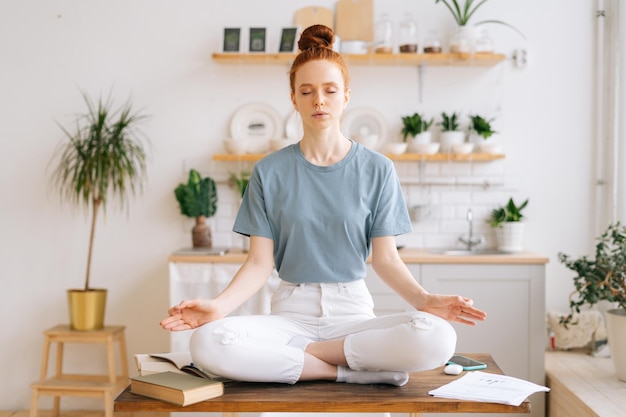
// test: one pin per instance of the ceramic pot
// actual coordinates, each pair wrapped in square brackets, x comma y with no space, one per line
[616,334]
[509,236]
[463,40]
[419,139]
[86,308]
[447,139]
[201,233]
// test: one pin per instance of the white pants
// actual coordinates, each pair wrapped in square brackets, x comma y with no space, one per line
[256,348]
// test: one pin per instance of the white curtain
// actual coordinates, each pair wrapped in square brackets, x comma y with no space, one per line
[610,116]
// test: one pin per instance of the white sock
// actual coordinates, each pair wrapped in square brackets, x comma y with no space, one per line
[350,376]
[300,342]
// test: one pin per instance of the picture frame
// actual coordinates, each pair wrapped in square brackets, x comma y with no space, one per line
[232,40]
[257,40]
[288,39]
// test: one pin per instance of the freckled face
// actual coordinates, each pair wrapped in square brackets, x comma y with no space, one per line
[320,94]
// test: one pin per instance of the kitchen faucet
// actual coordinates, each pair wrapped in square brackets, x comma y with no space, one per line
[471,241]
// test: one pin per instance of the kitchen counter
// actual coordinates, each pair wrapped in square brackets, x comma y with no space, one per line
[408,255]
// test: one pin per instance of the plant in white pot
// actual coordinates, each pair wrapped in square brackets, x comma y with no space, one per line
[463,38]
[415,131]
[198,199]
[450,134]
[103,159]
[507,221]
[603,278]
[481,133]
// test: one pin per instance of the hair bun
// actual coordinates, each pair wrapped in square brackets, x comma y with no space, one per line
[316,36]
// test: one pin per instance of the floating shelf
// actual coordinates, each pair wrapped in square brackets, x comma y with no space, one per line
[468,60]
[406,157]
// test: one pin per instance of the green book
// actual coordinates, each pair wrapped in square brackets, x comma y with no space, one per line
[176,388]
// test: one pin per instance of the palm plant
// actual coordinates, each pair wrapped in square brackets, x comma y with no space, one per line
[241,181]
[463,14]
[104,158]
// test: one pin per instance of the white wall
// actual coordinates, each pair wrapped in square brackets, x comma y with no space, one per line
[160,53]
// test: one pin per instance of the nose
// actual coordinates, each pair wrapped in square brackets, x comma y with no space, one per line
[318,99]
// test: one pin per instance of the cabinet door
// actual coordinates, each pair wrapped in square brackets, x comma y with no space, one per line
[386,301]
[206,280]
[513,297]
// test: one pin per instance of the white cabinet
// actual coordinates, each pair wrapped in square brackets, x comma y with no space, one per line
[513,296]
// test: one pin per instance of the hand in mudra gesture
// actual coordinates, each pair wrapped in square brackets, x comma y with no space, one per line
[190,314]
[453,308]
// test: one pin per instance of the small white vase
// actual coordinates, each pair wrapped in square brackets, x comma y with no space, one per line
[419,139]
[509,236]
[616,335]
[447,139]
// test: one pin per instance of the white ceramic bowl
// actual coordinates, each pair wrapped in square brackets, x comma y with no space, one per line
[462,148]
[354,47]
[397,148]
[236,146]
[427,148]
[490,148]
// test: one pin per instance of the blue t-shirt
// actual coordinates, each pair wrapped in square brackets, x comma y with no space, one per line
[322,218]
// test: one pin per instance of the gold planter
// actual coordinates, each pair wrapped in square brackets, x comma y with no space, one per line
[87,308]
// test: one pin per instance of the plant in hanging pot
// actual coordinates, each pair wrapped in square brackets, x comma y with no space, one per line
[507,221]
[104,158]
[603,279]
[198,199]
[415,131]
[463,39]
[450,133]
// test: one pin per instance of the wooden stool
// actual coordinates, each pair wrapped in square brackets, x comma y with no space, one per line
[81,385]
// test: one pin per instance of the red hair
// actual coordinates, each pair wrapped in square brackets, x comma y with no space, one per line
[316,43]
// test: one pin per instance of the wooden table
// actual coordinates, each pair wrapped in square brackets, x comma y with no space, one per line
[325,397]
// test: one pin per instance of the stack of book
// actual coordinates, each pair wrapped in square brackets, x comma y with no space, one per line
[172,377]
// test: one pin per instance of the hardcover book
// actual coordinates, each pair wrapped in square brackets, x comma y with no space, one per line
[176,388]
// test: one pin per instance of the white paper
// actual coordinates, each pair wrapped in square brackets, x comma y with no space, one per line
[487,387]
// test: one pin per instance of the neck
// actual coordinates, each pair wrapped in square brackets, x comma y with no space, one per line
[325,150]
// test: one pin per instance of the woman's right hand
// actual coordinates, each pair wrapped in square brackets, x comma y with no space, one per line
[190,314]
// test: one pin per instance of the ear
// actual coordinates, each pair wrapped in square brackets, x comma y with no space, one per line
[293,101]
[346,96]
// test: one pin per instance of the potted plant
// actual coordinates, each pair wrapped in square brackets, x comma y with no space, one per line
[198,199]
[481,134]
[103,159]
[450,133]
[462,40]
[507,222]
[240,182]
[603,278]
[416,127]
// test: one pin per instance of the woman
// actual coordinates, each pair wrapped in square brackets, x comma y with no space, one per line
[315,210]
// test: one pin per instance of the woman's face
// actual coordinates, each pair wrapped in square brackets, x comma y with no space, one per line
[320,94]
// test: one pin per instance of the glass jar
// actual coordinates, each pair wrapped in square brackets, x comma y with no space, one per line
[484,43]
[462,41]
[432,45]
[383,35]
[407,34]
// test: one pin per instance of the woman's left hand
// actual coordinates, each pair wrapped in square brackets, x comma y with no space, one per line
[453,308]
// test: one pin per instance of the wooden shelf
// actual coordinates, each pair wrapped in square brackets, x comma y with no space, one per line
[468,60]
[406,157]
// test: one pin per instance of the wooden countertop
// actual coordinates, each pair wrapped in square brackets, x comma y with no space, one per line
[408,255]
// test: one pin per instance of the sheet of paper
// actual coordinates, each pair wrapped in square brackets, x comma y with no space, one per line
[487,387]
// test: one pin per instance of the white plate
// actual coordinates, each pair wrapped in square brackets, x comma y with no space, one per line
[293,126]
[256,121]
[366,126]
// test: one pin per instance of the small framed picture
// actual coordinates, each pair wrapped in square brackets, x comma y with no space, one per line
[257,40]
[232,40]
[288,40]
